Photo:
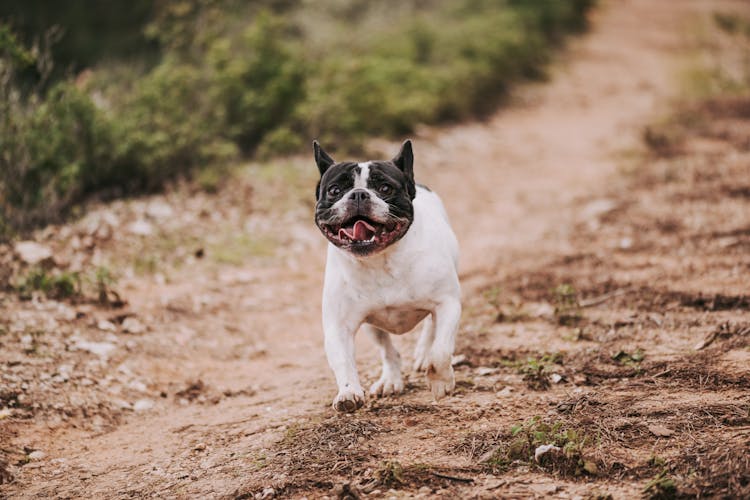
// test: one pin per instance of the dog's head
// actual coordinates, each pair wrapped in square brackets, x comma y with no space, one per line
[365,207]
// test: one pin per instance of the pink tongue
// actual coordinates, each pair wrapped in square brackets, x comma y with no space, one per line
[361,231]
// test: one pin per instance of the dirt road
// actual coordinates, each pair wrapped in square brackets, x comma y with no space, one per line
[220,387]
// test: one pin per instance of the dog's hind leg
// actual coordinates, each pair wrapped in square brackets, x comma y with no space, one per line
[426,337]
[390,382]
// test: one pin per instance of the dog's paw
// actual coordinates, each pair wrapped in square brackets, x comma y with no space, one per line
[441,381]
[349,400]
[420,362]
[387,384]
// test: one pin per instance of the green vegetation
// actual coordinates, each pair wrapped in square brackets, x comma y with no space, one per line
[520,446]
[536,371]
[196,84]
[57,286]
[95,285]
[389,474]
[719,65]
[567,306]
[662,487]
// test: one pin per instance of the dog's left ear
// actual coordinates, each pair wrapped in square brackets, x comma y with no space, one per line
[404,160]
[321,158]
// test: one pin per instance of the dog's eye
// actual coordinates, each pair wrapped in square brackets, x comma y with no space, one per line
[385,189]
[333,190]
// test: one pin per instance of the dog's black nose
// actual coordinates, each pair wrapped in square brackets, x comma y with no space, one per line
[359,195]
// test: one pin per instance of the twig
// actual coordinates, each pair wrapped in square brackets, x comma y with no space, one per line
[661,374]
[603,298]
[454,478]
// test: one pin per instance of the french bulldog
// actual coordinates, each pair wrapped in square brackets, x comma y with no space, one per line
[392,263]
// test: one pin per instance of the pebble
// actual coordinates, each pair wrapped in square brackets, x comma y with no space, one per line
[32,252]
[132,325]
[483,371]
[505,391]
[267,493]
[143,405]
[106,326]
[544,449]
[141,228]
[159,210]
[37,455]
[101,349]
[137,385]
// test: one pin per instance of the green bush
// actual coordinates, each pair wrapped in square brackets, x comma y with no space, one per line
[235,77]
[168,126]
[258,81]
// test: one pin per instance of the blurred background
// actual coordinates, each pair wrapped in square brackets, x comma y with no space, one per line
[109,98]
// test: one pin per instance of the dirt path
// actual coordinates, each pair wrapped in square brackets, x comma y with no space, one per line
[250,332]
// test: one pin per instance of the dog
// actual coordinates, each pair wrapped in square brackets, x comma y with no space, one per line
[392,263]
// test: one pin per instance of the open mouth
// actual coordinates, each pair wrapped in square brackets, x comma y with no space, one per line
[363,234]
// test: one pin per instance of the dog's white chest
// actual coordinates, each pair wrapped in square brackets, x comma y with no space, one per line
[396,319]
[397,289]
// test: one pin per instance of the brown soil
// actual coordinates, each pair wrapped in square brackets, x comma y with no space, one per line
[609,303]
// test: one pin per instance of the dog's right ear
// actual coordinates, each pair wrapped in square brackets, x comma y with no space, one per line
[321,158]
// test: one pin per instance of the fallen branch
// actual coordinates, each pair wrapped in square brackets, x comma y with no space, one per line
[603,298]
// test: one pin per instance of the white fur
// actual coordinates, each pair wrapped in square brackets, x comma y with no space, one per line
[412,280]
[360,180]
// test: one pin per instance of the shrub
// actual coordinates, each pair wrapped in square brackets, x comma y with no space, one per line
[165,128]
[258,81]
[234,77]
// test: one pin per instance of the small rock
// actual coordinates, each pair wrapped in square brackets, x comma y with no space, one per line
[101,349]
[626,243]
[37,455]
[660,430]
[542,310]
[596,208]
[200,447]
[132,325]
[141,228]
[486,370]
[159,210]
[556,378]
[143,405]
[32,252]
[122,404]
[267,493]
[106,326]
[545,489]
[458,359]
[543,450]
[505,391]
[137,385]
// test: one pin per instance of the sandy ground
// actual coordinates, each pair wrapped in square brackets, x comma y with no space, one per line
[211,380]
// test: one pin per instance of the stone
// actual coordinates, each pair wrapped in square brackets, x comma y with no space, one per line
[31,252]
[143,405]
[133,325]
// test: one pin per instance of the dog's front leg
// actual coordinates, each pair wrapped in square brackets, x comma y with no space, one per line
[440,376]
[339,343]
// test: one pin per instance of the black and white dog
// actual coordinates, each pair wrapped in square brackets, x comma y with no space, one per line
[392,262]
